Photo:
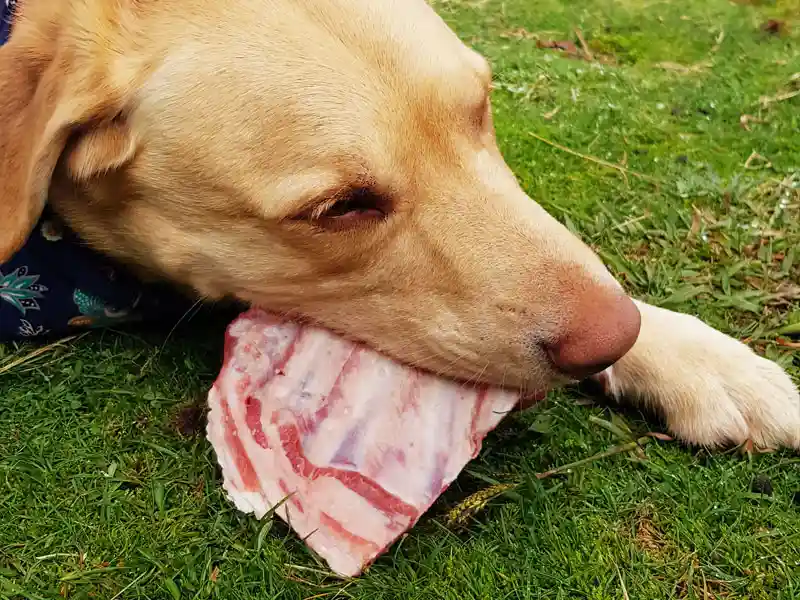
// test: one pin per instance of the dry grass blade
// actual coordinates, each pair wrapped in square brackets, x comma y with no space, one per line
[632,221]
[622,584]
[784,343]
[623,170]
[145,575]
[610,452]
[745,121]
[720,38]
[35,354]
[587,54]
[684,69]
[663,437]
[757,161]
[550,114]
[765,101]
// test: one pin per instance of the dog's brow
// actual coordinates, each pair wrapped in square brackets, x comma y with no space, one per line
[301,192]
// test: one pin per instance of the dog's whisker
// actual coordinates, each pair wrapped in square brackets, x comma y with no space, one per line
[187,315]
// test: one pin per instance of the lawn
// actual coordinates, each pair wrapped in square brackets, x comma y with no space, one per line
[675,151]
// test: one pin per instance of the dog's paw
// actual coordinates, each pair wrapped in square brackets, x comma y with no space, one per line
[711,389]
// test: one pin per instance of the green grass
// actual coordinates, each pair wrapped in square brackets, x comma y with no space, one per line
[108,488]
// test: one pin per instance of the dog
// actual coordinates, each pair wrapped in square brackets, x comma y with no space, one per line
[335,160]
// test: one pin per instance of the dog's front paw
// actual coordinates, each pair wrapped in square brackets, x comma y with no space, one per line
[711,389]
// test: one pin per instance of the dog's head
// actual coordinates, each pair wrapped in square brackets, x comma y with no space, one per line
[333,159]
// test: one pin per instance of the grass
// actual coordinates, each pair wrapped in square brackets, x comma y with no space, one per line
[109,490]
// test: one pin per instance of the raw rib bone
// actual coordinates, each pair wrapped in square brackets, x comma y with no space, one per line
[361,445]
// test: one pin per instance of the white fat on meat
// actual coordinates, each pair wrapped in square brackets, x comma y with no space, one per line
[356,446]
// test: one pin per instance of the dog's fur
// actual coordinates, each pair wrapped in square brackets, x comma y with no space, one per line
[214,144]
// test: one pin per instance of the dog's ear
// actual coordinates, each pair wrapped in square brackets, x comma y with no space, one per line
[51,107]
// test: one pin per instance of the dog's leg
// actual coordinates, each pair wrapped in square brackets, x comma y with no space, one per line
[711,389]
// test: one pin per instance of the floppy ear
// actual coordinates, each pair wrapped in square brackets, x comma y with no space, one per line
[47,107]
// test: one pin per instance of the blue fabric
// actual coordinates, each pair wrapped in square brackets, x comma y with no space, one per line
[6,12]
[56,283]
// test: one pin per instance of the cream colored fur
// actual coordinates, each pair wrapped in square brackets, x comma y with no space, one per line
[711,389]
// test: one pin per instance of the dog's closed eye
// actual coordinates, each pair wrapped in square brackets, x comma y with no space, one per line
[349,208]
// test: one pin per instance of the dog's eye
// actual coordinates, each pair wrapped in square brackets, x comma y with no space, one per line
[356,206]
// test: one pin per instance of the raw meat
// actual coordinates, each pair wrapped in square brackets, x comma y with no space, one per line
[358,446]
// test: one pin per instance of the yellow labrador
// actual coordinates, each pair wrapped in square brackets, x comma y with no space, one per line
[336,159]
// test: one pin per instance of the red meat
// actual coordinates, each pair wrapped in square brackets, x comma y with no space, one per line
[358,445]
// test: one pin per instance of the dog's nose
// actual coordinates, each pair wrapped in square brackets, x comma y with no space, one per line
[604,326]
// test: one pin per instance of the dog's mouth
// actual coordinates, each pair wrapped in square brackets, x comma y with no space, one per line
[527,398]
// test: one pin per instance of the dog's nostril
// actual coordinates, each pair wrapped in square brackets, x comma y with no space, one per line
[581,369]
[603,329]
